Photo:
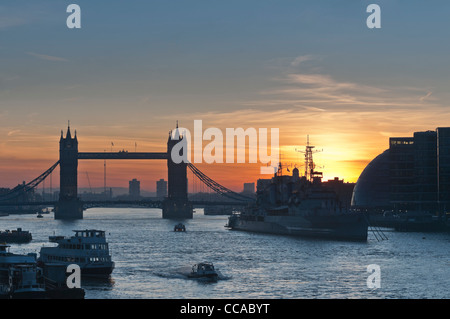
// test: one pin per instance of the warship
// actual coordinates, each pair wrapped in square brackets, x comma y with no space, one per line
[300,206]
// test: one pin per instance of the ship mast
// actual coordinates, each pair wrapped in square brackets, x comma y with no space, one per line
[310,173]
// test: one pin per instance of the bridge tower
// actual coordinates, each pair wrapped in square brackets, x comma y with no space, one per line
[176,205]
[69,206]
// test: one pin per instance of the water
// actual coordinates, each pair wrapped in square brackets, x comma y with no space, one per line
[152,260]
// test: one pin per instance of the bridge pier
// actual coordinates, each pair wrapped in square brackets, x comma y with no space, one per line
[72,209]
[173,209]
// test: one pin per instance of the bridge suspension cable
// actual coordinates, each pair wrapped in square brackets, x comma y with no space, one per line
[24,188]
[216,187]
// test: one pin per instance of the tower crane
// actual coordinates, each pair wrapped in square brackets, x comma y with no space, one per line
[87,175]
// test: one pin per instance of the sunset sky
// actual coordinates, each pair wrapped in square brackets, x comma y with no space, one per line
[136,67]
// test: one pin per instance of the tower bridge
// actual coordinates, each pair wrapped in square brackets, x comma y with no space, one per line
[175,205]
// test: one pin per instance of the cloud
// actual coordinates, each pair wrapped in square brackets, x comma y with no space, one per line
[11,133]
[314,90]
[9,22]
[47,57]
[352,119]
[312,108]
[348,112]
[423,98]
[18,13]
[300,59]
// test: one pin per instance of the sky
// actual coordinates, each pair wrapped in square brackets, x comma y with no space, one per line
[136,67]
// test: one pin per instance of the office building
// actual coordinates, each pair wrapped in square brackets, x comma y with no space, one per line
[134,189]
[161,188]
[249,188]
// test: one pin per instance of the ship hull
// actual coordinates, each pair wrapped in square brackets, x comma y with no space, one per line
[15,239]
[350,227]
[97,271]
[100,271]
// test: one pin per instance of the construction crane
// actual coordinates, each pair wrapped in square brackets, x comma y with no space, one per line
[87,175]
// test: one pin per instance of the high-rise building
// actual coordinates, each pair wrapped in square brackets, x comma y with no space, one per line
[401,169]
[425,169]
[161,188]
[134,188]
[443,168]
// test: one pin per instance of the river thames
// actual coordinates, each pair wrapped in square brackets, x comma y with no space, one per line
[152,261]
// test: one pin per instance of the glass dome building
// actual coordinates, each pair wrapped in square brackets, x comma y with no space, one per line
[372,190]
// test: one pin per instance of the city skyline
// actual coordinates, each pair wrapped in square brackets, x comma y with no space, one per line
[131,72]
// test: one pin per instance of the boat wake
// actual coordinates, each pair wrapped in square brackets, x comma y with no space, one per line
[184,272]
[222,276]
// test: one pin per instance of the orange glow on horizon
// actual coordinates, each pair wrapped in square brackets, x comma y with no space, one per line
[344,151]
[25,161]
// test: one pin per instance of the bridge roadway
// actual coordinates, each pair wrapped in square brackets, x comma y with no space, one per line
[125,202]
[122,155]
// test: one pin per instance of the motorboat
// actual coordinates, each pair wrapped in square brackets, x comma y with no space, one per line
[179,227]
[204,270]
[88,249]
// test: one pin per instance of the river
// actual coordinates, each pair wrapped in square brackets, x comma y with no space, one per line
[152,261]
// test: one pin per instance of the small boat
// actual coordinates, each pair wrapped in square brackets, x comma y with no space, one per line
[179,227]
[39,215]
[204,270]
